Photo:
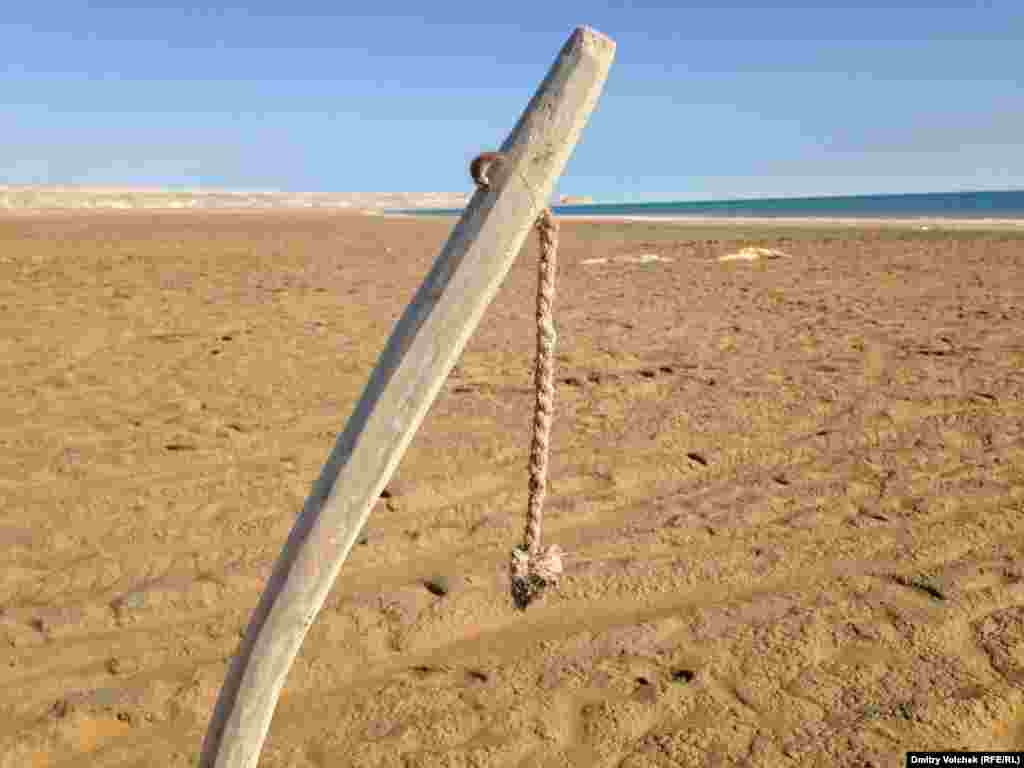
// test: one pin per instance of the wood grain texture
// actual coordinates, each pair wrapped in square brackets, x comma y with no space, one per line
[422,349]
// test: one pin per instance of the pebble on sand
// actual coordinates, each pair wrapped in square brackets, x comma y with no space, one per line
[438,585]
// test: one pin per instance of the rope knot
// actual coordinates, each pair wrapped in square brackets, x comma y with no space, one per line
[530,575]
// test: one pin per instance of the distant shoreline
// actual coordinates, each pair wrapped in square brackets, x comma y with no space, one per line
[998,206]
[811,221]
[923,223]
[961,210]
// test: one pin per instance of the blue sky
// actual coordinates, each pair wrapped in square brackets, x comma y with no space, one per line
[705,101]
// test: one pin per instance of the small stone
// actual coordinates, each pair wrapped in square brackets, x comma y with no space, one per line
[697,457]
[683,675]
[438,585]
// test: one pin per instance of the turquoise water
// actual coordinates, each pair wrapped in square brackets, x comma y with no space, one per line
[959,205]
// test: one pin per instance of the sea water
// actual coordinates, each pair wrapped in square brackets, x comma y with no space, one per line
[944,205]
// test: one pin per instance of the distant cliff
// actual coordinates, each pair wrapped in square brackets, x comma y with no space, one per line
[575,200]
[37,198]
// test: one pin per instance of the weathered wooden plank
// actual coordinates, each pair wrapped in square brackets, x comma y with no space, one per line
[421,351]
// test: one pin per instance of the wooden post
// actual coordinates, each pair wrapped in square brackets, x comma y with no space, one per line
[422,350]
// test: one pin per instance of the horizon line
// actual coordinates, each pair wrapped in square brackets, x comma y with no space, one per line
[201,190]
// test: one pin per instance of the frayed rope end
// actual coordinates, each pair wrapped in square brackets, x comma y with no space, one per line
[531,575]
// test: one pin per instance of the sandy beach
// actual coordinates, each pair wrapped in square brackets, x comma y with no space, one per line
[791,492]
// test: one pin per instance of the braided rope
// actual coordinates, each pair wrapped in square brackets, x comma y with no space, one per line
[532,568]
